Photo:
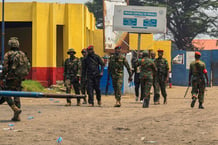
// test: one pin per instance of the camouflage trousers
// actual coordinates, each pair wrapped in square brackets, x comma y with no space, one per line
[13,85]
[198,89]
[159,85]
[145,88]
[68,83]
[117,85]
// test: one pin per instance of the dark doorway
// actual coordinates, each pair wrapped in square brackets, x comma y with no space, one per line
[59,47]
[22,30]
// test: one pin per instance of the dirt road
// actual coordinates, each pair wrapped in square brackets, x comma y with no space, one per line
[44,120]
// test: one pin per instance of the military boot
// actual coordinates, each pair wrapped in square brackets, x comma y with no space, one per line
[99,103]
[201,105]
[17,112]
[145,103]
[78,102]
[68,104]
[85,101]
[193,102]
[118,104]
[165,100]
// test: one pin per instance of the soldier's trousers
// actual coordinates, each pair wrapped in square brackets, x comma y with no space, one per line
[146,88]
[13,85]
[117,85]
[83,87]
[137,84]
[76,85]
[198,89]
[93,84]
[160,85]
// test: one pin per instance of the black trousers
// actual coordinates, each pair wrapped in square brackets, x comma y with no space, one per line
[137,84]
[93,84]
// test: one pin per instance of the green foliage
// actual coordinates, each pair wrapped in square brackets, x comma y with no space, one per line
[96,7]
[185,18]
[32,86]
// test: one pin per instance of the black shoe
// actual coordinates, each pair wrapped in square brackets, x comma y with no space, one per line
[201,106]
[193,102]
[145,103]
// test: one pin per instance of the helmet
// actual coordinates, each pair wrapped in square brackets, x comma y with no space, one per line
[145,53]
[13,42]
[71,50]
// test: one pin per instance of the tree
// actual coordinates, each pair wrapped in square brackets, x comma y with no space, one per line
[96,7]
[188,18]
[185,18]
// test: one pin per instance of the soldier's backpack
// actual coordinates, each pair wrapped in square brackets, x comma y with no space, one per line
[20,64]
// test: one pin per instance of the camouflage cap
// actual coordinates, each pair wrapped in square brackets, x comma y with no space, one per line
[71,50]
[13,42]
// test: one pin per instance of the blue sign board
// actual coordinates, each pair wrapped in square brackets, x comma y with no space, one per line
[130,21]
[150,22]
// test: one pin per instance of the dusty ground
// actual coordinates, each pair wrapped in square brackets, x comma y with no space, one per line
[172,124]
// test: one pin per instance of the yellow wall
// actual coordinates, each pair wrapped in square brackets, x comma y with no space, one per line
[78,28]
[98,42]
[78,31]
[146,41]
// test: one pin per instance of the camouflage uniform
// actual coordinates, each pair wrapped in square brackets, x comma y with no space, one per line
[148,68]
[161,78]
[197,71]
[72,72]
[116,64]
[13,83]
[136,72]
[91,66]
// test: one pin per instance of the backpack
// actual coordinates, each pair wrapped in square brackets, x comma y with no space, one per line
[20,64]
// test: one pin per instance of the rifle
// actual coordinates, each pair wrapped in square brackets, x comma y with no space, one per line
[186,91]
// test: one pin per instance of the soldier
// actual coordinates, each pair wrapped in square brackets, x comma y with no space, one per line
[136,71]
[91,65]
[155,81]
[153,55]
[197,72]
[162,77]
[72,72]
[116,64]
[13,82]
[148,68]
[84,78]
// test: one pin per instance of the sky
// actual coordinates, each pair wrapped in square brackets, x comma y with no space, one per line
[60,1]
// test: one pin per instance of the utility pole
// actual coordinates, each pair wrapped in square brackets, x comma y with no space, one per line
[3,32]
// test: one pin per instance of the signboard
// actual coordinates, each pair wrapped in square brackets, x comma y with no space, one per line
[112,38]
[179,59]
[190,56]
[140,19]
